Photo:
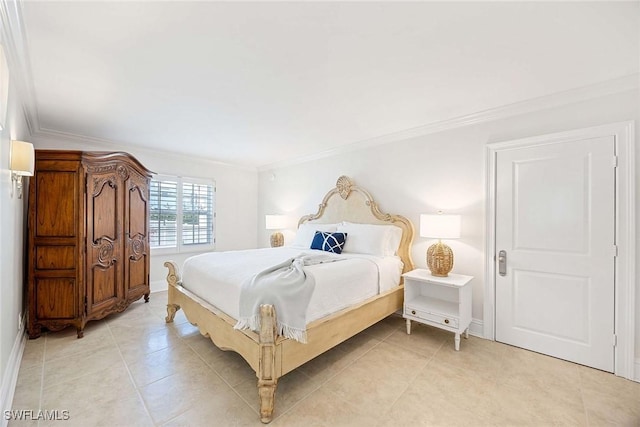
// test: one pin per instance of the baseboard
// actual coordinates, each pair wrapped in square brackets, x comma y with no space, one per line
[10,375]
[476,328]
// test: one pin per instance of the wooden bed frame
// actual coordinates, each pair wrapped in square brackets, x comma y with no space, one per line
[272,356]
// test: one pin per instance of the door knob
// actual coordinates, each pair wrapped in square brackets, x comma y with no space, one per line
[502,263]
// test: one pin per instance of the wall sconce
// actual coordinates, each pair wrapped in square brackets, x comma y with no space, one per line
[276,222]
[439,255]
[21,162]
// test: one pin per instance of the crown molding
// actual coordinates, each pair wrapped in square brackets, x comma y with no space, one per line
[49,135]
[598,90]
[16,49]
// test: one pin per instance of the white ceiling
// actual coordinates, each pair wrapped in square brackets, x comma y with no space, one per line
[258,83]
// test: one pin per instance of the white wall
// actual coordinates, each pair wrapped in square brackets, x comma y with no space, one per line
[11,248]
[444,171]
[236,196]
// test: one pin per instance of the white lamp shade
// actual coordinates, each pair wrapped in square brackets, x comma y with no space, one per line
[22,158]
[440,226]
[275,222]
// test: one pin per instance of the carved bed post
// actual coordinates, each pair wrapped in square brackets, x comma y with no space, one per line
[267,376]
[172,281]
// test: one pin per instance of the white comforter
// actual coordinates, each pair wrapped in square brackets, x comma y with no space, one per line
[217,277]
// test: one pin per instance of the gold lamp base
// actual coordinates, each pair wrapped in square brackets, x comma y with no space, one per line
[439,259]
[277,239]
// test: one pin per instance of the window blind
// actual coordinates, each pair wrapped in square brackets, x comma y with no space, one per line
[163,208]
[197,213]
[182,212]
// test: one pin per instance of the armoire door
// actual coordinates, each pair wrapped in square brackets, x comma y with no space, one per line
[54,282]
[104,240]
[136,256]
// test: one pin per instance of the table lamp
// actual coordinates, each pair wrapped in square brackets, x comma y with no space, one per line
[439,255]
[275,222]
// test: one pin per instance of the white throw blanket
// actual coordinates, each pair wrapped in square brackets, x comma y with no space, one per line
[288,288]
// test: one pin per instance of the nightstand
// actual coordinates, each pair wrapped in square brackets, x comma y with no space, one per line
[443,302]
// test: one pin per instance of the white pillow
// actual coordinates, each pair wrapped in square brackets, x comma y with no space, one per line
[395,236]
[372,239]
[306,231]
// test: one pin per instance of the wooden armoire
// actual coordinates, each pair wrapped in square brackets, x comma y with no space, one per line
[88,238]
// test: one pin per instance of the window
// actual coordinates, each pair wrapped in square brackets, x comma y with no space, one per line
[182,214]
[164,212]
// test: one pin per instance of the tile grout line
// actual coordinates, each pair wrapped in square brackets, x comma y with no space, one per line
[44,359]
[208,365]
[216,372]
[427,362]
[322,384]
[162,319]
[584,403]
[126,366]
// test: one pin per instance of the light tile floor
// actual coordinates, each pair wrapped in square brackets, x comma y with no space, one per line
[132,369]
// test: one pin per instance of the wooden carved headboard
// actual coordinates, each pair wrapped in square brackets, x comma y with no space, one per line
[348,202]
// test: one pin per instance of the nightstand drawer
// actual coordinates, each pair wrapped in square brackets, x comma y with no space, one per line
[433,317]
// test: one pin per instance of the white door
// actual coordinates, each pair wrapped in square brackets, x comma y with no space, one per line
[555,212]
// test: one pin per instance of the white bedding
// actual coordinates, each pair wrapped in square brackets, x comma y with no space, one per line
[216,277]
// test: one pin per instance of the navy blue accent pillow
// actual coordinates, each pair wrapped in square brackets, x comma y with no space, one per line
[329,242]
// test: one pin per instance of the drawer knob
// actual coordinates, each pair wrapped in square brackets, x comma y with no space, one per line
[446,321]
[413,312]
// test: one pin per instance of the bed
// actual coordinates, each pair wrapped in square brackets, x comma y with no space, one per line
[272,355]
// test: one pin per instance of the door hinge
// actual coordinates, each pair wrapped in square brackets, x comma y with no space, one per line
[615,251]
[615,340]
[615,161]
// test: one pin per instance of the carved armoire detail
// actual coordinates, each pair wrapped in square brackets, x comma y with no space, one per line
[88,238]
